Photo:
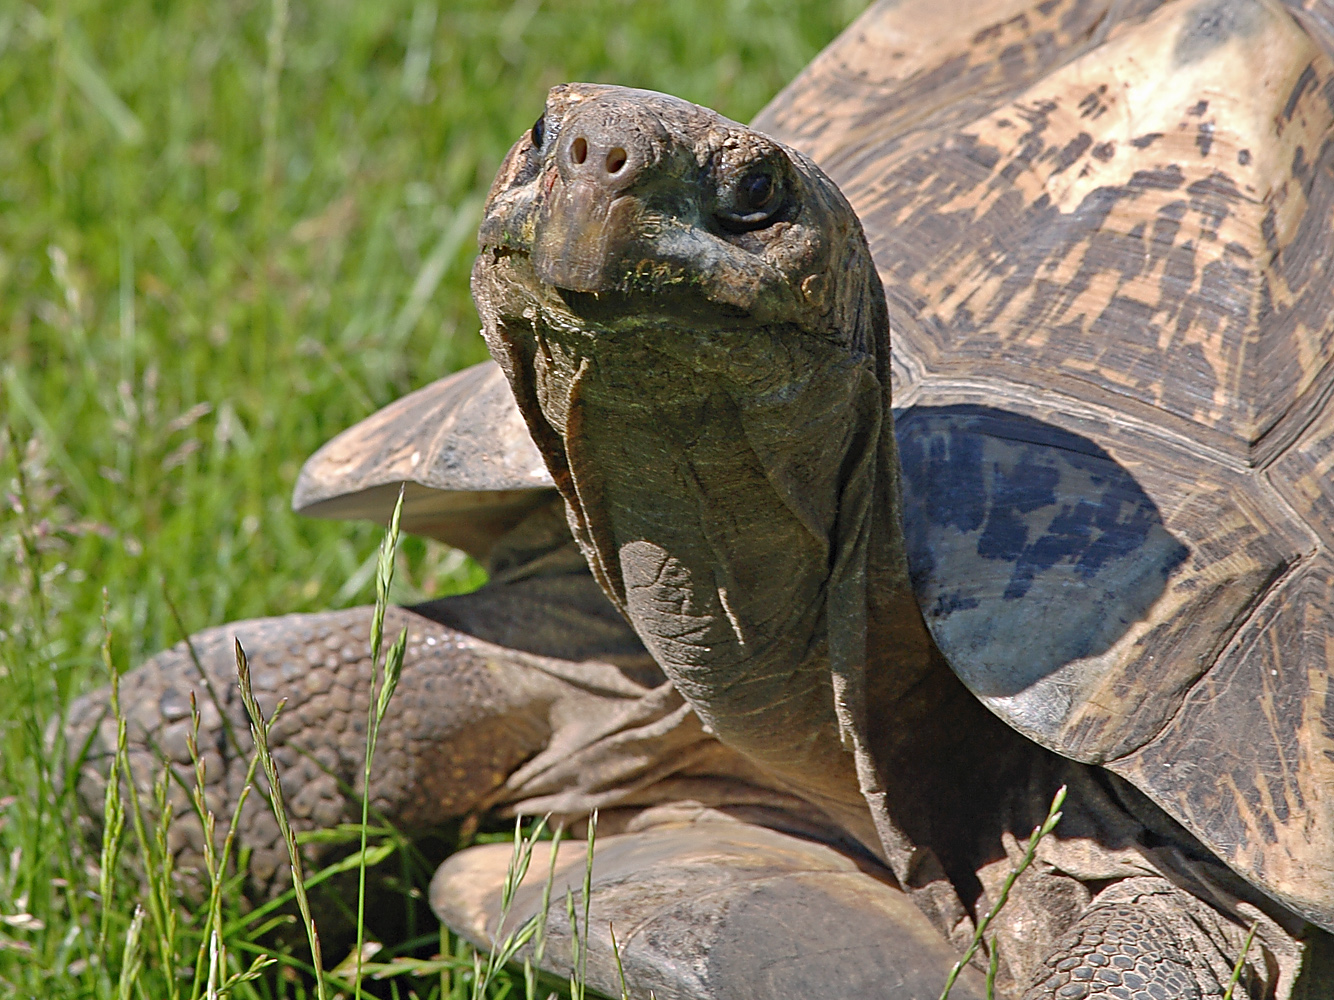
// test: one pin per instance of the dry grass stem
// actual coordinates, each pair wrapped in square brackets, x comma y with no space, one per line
[1040,831]
[381,690]
[259,732]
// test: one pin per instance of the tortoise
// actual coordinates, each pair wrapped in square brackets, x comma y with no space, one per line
[1072,526]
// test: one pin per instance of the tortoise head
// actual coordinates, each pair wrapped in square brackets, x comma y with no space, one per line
[676,213]
[693,327]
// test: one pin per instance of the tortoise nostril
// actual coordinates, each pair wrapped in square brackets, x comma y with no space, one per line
[579,150]
[615,160]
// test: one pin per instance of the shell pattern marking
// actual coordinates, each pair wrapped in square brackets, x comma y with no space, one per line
[1083,221]
[999,509]
[1130,207]
[1121,227]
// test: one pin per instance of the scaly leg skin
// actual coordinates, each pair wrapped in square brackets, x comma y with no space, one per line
[464,716]
[1116,952]
[713,909]
[1161,944]
[466,713]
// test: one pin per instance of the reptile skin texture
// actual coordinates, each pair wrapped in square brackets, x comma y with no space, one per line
[1120,952]
[466,714]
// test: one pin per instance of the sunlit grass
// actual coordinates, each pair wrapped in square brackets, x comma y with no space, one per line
[227,231]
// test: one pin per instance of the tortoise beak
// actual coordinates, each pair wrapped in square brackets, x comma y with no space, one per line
[573,237]
[587,218]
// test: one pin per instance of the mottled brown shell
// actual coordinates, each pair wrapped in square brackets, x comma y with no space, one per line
[458,446]
[1104,229]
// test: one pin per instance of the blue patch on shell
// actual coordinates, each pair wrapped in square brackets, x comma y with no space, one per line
[1030,548]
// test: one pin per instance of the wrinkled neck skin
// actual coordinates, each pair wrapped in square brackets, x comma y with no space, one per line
[712,511]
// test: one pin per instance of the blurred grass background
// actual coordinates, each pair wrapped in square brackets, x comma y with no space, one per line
[226,234]
[228,230]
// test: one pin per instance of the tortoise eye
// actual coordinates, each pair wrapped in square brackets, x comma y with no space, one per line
[539,131]
[755,192]
[754,201]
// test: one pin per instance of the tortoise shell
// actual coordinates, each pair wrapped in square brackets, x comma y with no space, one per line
[1104,230]
[459,447]
[1108,252]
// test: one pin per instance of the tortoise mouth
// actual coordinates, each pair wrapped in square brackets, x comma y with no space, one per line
[580,232]
[500,251]
[649,307]
[649,295]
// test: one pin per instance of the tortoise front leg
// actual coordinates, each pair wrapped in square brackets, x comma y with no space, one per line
[1147,940]
[1117,952]
[466,713]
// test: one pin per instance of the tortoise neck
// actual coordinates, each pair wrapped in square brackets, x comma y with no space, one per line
[734,492]
[729,524]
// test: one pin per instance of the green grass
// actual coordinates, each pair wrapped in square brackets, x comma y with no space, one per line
[228,230]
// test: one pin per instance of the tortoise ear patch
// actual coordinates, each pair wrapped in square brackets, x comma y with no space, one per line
[1005,517]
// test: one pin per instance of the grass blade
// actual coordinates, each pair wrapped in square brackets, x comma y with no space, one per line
[1039,832]
[100,95]
[1241,962]
[377,705]
[113,810]
[620,969]
[259,731]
